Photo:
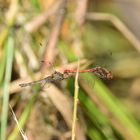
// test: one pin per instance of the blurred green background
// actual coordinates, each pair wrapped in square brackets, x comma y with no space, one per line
[97,33]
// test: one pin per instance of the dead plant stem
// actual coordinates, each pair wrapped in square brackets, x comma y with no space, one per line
[75,104]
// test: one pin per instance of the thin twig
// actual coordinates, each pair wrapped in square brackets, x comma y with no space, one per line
[20,129]
[118,24]
[29,52]
[75,104]
[81,11]
[49,53]
[38,21]
[63,105]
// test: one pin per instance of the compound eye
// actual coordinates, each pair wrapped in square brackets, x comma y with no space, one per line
[109,75]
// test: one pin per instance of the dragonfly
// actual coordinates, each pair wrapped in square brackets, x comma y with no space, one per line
[100,71]
[58,76]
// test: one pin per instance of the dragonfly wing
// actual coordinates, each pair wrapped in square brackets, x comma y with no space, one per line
[43,84]
[88,81]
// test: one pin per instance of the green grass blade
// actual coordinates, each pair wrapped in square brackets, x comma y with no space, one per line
[2,65]
[8,71]
[113,104]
